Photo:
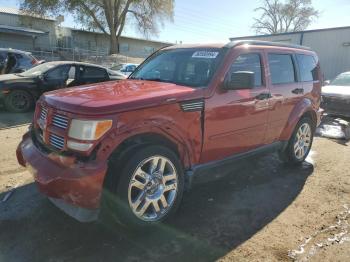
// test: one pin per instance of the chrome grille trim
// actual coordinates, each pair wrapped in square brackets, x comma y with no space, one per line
[43,113]
[57,141]
[60,121]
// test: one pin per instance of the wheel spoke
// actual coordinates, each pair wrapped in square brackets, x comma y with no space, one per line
[296,146]
[140,173]
[154,164]
[144,207]
[138,201]
[156,206]
[163,201]
[161,165]
[170,187]
[138,184]
[169,177]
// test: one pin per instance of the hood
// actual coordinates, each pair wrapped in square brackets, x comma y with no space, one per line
[336,90]
[112,97]
[14,79]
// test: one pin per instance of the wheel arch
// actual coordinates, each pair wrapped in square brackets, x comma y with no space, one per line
[126,147]
[303,109]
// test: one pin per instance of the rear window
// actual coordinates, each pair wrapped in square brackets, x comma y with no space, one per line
[281,68]
[307,67]
[93,72]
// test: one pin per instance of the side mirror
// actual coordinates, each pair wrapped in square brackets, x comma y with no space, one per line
[240,80]
[327,82]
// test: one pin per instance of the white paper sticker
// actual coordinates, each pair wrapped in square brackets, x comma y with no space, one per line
[205,54]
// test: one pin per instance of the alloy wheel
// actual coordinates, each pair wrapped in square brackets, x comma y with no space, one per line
[153,188]
[302,141]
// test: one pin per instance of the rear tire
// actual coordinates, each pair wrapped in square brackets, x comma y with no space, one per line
[19,101]
[300,143]
[149,188]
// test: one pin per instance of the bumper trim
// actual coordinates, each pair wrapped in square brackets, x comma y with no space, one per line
[79,213]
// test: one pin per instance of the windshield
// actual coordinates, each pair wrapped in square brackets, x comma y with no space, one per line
[38,70]
[190,67]
[341,80]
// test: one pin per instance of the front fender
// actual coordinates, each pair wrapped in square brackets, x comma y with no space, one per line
[303,107]
[181,128]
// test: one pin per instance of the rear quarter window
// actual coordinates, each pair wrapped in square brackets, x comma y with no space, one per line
[281,68]
[307,67]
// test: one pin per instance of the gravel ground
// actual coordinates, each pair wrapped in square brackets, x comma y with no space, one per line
[260,211]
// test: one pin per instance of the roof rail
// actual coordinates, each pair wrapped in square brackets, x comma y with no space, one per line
[233,44]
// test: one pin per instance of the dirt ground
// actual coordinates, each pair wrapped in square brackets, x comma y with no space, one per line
[260,211]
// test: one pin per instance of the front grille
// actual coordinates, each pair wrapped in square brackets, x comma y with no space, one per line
[47,119]
[60,121]
[56,141]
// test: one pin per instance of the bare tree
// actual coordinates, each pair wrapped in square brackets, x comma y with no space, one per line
[108,16]
[277,16]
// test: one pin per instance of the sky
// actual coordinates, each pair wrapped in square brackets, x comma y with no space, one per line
[197,21]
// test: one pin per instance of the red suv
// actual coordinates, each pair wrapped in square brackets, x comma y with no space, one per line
[138,143]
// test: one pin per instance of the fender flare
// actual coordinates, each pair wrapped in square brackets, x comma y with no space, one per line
[302,108]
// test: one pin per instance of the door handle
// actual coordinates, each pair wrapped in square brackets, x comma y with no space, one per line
[298,91]
[263,96]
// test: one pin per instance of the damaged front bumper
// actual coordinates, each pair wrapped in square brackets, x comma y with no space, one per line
[73,186]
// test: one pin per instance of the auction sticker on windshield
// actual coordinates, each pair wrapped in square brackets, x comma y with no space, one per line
[205,54]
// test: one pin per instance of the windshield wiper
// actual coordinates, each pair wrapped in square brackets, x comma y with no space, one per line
[159,80]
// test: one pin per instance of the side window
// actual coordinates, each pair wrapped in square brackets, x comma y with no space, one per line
[250,63]
[59,73]
[93,72]
[281,68]
[307,67]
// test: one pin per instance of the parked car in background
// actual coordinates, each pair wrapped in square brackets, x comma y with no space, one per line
[125,68]
[336,96]
[188,109]
[19,91]
[16,61]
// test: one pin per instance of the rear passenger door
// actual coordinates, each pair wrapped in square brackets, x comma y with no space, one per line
[286,92]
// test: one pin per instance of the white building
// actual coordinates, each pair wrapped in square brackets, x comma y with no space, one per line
[34,33]
[331,44]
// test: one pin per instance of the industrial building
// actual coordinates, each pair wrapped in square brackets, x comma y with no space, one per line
[36,33]
[331,44]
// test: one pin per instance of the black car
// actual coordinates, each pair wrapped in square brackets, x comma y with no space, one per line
[16,61]
[336,96]
[18,92]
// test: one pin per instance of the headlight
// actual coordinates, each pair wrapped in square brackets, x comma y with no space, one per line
[88,129]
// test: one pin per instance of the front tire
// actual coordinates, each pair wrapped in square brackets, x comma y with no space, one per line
[300,143]
[150,186]
[19,101]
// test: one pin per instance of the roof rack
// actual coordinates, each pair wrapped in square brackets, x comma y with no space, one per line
[265,43]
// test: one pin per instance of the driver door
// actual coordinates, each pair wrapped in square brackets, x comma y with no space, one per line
[236,120]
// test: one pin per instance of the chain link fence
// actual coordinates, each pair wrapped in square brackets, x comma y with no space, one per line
[100,57]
